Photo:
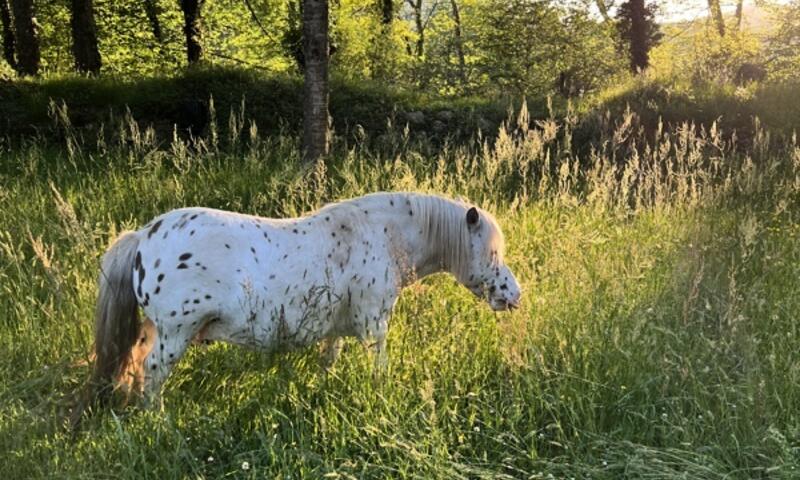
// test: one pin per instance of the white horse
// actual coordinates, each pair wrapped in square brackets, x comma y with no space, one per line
[283,283]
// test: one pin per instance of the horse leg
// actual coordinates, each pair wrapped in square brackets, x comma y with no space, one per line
[378,347]
[169,345]
[329,350]
[376,327]
[381,357]
[136,372]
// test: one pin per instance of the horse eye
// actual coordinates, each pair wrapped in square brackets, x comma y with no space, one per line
[492,289]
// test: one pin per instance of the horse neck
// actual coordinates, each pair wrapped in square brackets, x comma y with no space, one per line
[418,250]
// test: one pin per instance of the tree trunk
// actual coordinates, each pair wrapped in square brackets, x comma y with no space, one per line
[9,41]
[315,88]
[84,37]
[716,16]
[638,40]
[387,11]
[151,10]
[739,8]
[416,9]
[193,29]
[603,8]
[459,43]
[28,56]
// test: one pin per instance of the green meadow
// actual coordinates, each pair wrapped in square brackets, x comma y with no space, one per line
[657,338]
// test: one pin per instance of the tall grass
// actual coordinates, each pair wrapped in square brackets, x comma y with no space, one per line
[657,338]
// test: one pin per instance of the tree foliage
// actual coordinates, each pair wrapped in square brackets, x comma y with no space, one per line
[784,44]
[638,31]
[484,47]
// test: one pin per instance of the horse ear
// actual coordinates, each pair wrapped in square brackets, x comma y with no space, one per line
[473,217]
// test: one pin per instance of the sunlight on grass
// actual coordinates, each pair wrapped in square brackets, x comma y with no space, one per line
[657,335]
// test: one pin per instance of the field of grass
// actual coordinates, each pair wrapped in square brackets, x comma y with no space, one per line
[658,335]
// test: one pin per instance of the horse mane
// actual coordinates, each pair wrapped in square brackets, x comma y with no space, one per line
[442,222]
[444,225]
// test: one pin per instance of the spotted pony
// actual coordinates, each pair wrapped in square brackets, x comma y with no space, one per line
[275,284]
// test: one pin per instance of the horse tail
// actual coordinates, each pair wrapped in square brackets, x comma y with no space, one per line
[117,323]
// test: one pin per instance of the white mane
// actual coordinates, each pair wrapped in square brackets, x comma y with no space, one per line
[441,221]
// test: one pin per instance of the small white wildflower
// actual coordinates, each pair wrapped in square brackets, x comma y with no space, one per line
[663,416]
[605,464]
[210,459]
[477,428]
[245,466]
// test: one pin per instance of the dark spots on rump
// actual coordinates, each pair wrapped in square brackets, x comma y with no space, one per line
[196,300]
[252,249]
[157,290]
[294,230]
[504,287]
[185,256]
[208,297]
[173,313]
[138,263]
[193,217]
[191,233]
[410,213]
[157,264]
[182,266]
[227,246]
[333,234]
[154,229]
